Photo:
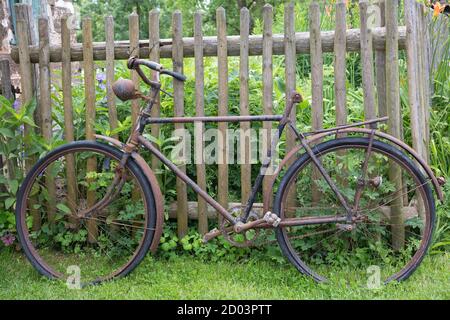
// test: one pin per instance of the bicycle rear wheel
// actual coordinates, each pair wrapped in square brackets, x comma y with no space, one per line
[111,241]
[393,221]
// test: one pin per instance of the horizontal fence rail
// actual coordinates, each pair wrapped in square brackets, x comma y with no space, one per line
[255,46]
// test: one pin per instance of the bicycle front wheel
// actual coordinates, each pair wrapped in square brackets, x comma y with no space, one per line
[111,241]
[392,219]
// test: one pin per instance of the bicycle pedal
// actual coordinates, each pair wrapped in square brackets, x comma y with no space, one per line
[272,219]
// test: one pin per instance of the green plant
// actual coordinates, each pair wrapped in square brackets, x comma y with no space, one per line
[12,142]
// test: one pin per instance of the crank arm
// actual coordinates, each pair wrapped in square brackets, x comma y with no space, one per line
[214,233]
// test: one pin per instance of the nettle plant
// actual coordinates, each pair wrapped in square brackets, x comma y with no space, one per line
[12,140]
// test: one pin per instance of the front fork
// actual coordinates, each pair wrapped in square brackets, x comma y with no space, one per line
[132,144]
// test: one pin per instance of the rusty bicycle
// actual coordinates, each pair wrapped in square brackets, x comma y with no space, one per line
[348,197]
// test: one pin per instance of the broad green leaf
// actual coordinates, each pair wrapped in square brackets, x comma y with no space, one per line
[7,133]
[9,203]
[63,208]
[13,185]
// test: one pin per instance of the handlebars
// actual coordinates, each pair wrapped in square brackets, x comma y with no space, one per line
[135,63]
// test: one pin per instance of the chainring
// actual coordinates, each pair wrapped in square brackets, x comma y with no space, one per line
[241,240]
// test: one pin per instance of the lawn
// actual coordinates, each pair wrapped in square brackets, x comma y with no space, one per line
[187,278]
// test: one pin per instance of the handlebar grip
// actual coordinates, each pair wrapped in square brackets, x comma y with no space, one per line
[134,62]
[176,75]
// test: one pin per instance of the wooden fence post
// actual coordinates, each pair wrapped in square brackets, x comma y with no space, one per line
[5,81]
[394,113]
[45,103]
[245,136]
[413,74]
[5,72]
[339,64]
[290,78]
[153,24]
[24,12]
[380,65]
[133,23]
[89,89]
[267,71]
[199,144]
[317,82]
[424,78]
[66,81]
[110,97]
[222,62]
[27,88]
[367,62]
[178,94]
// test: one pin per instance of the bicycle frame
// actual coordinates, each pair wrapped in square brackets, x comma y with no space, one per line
[241,223]
[137,138]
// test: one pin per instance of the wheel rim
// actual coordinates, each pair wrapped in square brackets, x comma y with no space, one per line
[62,246]
[318,258]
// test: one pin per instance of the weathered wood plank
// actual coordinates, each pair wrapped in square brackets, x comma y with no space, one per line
[424,78]
[45,103]
[317,83]
[199,126]
[89,91]
[5,80]
[178,100]
[153,25]
[66,83]
[413,74]
[244,106]
[340,77]
[394,113]
[110,97]
[267,72]
[367,62]
[302,45]
[27,93]
[133,23]
[222,62]
[290,68]
[380,65]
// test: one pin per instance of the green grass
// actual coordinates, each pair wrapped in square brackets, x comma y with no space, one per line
[187,278]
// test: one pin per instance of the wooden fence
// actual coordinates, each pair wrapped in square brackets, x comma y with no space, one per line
[378,45]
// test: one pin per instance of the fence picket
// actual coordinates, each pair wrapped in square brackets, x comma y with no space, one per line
[199,126]
[245,139]
[89,89]
[394,124]
[133,23]
[27,89]
[380,63]
[367,62]
[178,95]
[340,77]
[46,106]
[290,63]
[222,62]
[5,80]
[66,83]
[317,82]
[153,24]
[110,97]
[267,71]
[413,74]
